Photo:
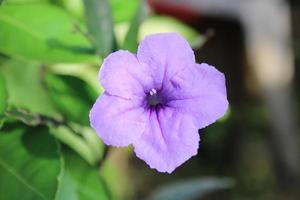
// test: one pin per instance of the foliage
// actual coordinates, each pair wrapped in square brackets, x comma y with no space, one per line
[100,25]
[3,99]
[43,32]
[31,168]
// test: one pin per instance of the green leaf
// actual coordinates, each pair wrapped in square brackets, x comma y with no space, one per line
[71,96]
[24,81]
[44,33]
[75,7]
[161,24]
[131,39]
[115,171]
[87,73]
[24,1]
[191,189]
[80,181]
[67,136]
[3,99]
[92,140]
[123,11]
[100,25]
[28,169]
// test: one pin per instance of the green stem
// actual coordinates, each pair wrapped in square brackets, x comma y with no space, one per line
[65,135]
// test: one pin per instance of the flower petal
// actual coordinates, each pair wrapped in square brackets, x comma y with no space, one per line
[122,75]
[165,54]
[118,122]
[169,139]
[201,92]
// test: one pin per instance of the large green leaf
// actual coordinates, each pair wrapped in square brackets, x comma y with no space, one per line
[3,99]
[25,87]
[29,163]
[191,189]
[100,25]
[80,181]
[44,33]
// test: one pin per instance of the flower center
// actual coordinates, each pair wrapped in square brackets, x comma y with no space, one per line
[153,98]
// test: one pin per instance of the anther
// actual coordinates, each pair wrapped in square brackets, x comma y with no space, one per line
[153,92]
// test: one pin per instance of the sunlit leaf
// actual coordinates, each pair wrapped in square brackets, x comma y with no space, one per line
[191,189]
[28,170]
[24,1]
[81,181]
[123,11]
[75,7]
[100,25]
[44,33]
[24,81]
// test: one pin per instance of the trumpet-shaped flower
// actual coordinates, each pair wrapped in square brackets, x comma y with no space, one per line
[157,100]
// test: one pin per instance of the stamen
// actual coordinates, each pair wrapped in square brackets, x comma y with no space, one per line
[152,91]
[153,98]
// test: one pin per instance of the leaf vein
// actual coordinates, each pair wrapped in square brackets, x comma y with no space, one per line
[20,179]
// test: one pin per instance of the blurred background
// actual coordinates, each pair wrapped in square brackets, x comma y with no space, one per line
[50,53]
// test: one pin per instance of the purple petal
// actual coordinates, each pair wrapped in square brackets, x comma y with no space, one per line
[201,91]
[169,139]
[166,54]
[118,121]
[122,75]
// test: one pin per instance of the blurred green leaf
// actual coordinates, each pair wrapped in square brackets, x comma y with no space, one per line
[24,81]
[79,144]
[100,25]
[87,73]
[28,169]
[25,1]
[3,99]
[116,171]
[71,96]
[92,140]
[131,39]
[80,181]
[75,7]
[44,33]
[124,11]
[161,24]
[191,189]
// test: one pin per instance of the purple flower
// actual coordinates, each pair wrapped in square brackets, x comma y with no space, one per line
[157,100]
